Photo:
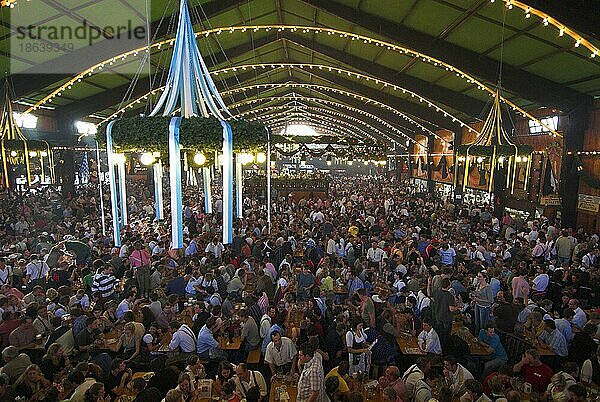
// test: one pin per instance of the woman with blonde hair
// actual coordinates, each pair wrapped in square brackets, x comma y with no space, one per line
[31,384]
[128,343]
[54,361]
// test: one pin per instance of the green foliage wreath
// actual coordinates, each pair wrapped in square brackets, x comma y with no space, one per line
[196,133]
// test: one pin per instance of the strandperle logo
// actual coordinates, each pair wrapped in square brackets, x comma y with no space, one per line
[85,31]
[53,38]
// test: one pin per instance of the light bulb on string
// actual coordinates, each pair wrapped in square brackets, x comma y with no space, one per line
[199,159]
[147,159]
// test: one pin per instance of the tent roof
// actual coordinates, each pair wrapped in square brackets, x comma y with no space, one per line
[423,82]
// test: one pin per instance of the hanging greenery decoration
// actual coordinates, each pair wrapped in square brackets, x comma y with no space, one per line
[151,134]
[32,145]
[501,150]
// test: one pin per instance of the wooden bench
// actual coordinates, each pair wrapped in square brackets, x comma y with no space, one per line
[254,356]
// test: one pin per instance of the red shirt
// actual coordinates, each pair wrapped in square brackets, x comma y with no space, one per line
[5,329]
[538,376]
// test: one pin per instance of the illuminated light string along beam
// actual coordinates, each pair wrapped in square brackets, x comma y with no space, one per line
[340,129]
[339,91]
[293,28]
[549,20]
[333,123]
[132,104]
[330,103]
[355,131]
[381,121]
[342,115]
[320,113]
[323,128]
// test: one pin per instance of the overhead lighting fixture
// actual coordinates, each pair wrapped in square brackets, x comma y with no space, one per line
[25,120]
[261,157]
[199,159]
[85,128]
[147,159]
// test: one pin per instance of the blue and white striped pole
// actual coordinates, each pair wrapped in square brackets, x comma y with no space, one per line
[227,183]
[238,185]
[175,181]
[122,192]
[207,190]
[158,190]
[113,186]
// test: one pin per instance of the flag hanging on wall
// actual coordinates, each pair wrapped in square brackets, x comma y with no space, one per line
[84,171]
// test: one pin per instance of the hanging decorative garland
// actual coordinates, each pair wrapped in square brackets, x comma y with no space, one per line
[151,134]
[501,150]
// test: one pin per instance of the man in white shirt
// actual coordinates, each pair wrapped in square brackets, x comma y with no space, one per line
[265,322]
[423,388]
[215,247]
[375,255]
[125,305]
[455,376]
[246,379]
[36,272]
[414,374]
[183,338]
[540,282]
[5,273]
[280,354]
[579,318]
[429,340]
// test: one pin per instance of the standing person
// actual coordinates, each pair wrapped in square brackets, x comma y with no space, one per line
[280,354]
[140,260]
[443,306]
[356,341]
[484,298]
[367,308]
[375,256]
[311,384]
[520,286]
[564,248]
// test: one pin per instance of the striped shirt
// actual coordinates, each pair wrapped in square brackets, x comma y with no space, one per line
[105,284]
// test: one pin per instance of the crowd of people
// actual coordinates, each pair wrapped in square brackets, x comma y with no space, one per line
[368,292]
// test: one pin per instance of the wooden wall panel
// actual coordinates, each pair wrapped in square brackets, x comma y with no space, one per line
[591,164]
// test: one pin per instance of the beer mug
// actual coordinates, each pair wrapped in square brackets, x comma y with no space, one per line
[527,388]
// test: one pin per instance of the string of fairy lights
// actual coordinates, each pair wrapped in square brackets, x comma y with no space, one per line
[319,110]
[305,29]
[244,67]
[548,20]
[329,103]
[335,90]
[275,121]
[326,121]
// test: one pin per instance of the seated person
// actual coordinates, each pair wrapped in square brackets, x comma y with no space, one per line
[534,371]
